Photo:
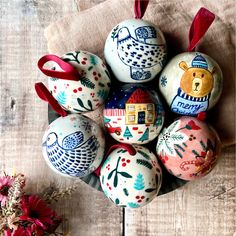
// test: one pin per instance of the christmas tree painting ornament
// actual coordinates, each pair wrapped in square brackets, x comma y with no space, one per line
[188,148]
[133,114]
[79,80]
[73,145]
[192,81]
[130,176]
[135,49]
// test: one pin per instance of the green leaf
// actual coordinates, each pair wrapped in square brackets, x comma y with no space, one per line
[103,179]
[115,181]
[117,201]
[110,174]
[90,104]
[149,190]
[144,163]
[126,192]
[125,174]
[80,102]
[176,137]
[90,68]
[144,154]
[87,83]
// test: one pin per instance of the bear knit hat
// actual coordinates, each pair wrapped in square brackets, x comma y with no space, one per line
[200,62]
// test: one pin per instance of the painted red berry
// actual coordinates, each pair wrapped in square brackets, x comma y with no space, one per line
[123,164]
[83,62]
[80,89]
[85,58]
[137,197]
[96,78]
[94,73]
[99,75]
[142,197]
[123,159]
[139,201]
[75,90]
[128,161]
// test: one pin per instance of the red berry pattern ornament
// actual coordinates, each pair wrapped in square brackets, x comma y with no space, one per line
[130,176]
[79,81]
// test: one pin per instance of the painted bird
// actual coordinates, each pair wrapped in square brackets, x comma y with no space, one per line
[75,155]
[137,53]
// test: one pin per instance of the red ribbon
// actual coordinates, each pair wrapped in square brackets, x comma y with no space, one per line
[199,27]
[45,95]
[140,7]
[131,150]
[68,73]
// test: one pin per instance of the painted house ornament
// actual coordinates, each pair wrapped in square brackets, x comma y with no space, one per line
[135,49]
[85,88]
[191,83]
[73,145]
[131,180]
[133,114]
[188,148]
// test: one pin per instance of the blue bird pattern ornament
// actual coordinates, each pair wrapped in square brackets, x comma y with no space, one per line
[74,156]
[137,53]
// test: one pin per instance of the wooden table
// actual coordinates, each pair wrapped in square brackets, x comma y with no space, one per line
[203,208]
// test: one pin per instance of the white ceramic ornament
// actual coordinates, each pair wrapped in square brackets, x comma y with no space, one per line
[191,83]
[90,87]
[73,145]
[135,50]
[133,114]
[131,178]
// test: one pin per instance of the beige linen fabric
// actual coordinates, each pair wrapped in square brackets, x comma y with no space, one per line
[87,30]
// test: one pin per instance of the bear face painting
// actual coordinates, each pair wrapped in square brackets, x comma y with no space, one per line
[196,82]
[191,83]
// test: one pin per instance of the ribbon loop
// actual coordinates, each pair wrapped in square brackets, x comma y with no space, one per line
[45,95]
[199,27]
[68,73]
[140,7]
[131,150]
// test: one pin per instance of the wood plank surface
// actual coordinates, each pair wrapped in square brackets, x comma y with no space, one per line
[204,208]
[23,116]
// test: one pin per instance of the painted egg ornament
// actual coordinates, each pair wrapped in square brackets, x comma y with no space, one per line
[73,145]
[192,81]
[131,177]
[133,114]
[135,50]
[188,148]
[84,83]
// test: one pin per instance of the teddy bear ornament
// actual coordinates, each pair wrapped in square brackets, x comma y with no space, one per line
[192,81]
[73,145]
[135,49]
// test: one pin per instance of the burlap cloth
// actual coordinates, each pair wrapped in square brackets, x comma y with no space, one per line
[87,30]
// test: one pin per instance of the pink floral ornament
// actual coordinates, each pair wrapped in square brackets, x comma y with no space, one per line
[188,148]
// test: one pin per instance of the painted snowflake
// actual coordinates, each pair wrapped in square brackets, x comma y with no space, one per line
[170,137]
[86,125]
[163,81]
